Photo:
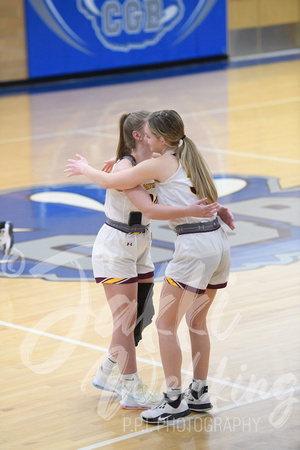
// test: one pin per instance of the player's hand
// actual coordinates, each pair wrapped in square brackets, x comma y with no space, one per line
[226,216]
[108,165]
[76,166]
[200,209]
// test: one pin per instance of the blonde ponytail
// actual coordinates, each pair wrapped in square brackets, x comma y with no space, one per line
[197,170]
[169,125]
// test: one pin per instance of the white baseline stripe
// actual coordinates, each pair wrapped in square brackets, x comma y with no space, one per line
[206,112]
[93,131]
[52,336]
[97,133]
[103,349]
[187,419]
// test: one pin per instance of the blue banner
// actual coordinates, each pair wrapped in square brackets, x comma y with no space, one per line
[65,37]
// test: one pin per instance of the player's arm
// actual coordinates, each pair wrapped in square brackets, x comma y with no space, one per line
[108,165]
[142,200]
[146,170]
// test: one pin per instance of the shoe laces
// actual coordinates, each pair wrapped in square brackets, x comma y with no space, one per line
[163,403]
[115,376]
[188,390]
[115,372]
[144,390]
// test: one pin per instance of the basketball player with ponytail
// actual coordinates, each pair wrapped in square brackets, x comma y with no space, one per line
[122,264]
[201,261]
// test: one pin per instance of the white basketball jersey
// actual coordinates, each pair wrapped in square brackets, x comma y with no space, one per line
[178,191]
[117,206]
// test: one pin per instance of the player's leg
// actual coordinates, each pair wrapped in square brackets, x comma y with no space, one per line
[200,342]
[114,267]
[121,357]
[123,304]
[217,276]
[122,300]
[196,395]
[174,303]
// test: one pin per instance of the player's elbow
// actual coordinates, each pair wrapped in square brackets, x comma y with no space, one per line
[105,184]
[147,211]
[109,181]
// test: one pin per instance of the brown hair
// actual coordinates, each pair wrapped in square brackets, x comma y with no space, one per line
[128,123]
[169,125]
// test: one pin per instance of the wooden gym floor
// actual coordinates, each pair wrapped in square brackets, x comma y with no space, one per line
[55,325]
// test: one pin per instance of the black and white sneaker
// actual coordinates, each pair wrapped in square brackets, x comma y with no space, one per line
[6,236]
[198,400]
[167,411]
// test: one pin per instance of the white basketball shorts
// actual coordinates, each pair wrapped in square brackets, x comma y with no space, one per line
[120,257]
[200,261]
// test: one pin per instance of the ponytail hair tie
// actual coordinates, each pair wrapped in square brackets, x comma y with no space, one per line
[183,137]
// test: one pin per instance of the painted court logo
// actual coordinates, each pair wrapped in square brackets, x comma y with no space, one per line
[55,228]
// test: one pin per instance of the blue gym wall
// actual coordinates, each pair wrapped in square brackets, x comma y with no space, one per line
[74,36]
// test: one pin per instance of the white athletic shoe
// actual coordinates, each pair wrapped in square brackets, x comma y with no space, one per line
[108,382]
[138,396]
[198,400]
[167,411]
[6,236]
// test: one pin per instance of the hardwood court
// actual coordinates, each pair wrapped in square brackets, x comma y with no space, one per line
[55,333]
